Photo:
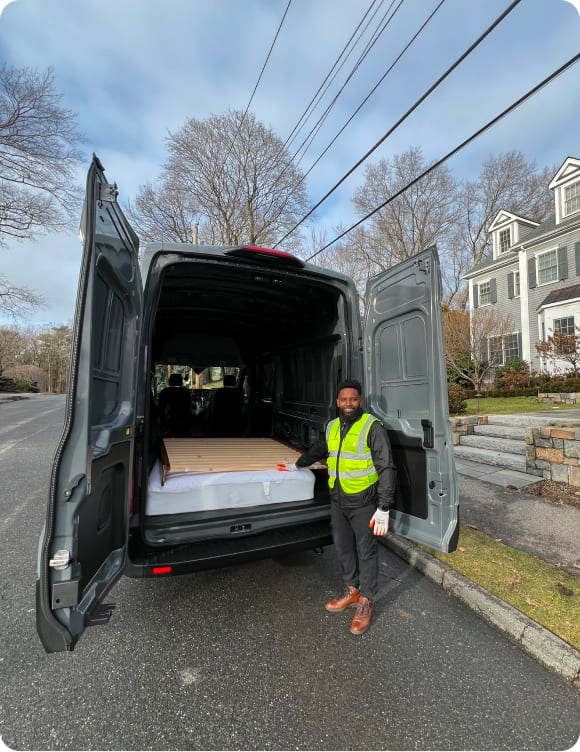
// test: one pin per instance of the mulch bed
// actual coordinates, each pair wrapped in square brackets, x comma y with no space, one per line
[558,493]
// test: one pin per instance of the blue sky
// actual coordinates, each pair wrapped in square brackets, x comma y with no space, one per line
[134,70]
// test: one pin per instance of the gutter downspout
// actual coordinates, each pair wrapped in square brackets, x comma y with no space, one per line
[524,310]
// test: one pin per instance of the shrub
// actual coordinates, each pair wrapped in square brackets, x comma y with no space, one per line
[557,385]
[456,397]
[509,373]
[15,385]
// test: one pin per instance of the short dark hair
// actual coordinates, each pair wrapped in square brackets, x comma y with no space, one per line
[349,384]
[176,379]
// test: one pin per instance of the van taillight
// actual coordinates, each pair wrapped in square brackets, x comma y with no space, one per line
[254,253]
[161,570]
[268,250]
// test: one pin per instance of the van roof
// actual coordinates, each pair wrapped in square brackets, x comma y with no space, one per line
[151,250]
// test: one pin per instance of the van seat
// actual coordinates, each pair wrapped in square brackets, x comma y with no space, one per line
[226,412]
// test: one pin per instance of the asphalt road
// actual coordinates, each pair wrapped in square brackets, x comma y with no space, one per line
[247,658]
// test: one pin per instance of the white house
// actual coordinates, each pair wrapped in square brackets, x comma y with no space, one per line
[534,274]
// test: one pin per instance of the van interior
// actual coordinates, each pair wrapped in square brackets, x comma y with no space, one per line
[259,350]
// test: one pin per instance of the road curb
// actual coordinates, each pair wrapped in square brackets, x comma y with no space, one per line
[534,639]
[10,398]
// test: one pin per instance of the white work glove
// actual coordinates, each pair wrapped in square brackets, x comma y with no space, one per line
[286,466]
[380,522]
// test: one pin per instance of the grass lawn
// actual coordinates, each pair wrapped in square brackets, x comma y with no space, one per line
[507,405]
[540,590]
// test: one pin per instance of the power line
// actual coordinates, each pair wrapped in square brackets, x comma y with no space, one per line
[429,91]
[307,142]
[372,91]
[467,141]
[377,34]
[296,128]
[267,59]
[259,79]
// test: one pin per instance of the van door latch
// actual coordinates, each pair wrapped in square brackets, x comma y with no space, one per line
[423,266]
[67,493]
[60,560]
[108,192]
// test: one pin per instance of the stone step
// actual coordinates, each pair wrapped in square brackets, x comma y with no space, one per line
[503,432]
[489,457]
[527,421]
[494,444]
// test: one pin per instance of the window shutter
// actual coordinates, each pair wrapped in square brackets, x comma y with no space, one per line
[485,353]
[520,346]
[563,263]
[510,285]
[577,249]
[531,273]
[493,290]
[475,296]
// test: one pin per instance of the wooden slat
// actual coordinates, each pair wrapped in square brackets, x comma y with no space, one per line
[224,455]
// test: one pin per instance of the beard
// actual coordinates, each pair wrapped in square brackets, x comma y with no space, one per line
[352,416]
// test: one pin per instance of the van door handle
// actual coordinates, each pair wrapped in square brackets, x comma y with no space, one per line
[428,434]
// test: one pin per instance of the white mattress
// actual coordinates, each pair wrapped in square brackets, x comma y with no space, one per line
[196,492]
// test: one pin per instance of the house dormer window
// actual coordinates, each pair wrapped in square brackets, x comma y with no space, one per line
[504,240]
[572,198]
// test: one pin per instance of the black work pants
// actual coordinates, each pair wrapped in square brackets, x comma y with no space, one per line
[356,546]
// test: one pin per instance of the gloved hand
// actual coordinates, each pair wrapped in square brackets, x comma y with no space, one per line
[286,466]
[380,521]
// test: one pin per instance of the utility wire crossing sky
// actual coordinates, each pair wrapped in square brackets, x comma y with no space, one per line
[331,79]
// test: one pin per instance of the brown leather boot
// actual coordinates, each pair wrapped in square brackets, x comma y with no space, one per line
[350,597]
[362,618]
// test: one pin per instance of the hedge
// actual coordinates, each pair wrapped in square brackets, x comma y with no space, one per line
[15,385]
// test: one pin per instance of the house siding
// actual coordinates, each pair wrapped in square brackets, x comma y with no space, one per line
[526,310]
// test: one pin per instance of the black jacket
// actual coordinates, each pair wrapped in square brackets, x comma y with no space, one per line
[382,493]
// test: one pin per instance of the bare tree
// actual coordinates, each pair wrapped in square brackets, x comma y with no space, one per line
[10,346]
[229,174]
[54,356]
[39,151]
[507,181]
[438,210]
[422,215]
[18,300]
[473,337]
[351,257]
[162,213]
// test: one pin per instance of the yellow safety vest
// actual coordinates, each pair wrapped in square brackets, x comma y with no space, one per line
[356,471]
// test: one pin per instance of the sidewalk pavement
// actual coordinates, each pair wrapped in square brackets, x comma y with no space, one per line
[496,503]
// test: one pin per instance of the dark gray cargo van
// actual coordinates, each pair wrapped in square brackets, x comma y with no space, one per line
[288,332]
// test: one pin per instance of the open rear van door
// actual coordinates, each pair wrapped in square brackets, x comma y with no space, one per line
[406,387]
[84,544]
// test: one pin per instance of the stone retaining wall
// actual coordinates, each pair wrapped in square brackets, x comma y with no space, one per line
[552,452]
[463,426]
[555,398]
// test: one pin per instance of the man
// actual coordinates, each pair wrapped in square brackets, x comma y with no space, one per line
[362,478]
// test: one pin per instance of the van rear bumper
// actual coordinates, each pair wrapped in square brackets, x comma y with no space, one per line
[210,554]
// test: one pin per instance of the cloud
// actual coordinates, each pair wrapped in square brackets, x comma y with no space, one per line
[134,71]
[575,3]
[3,4]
